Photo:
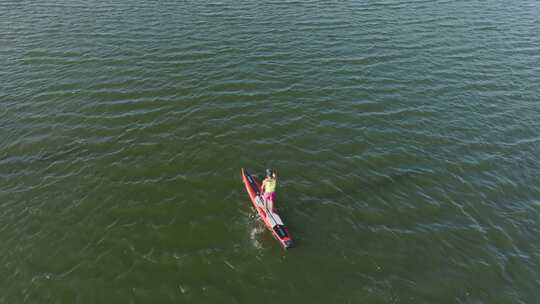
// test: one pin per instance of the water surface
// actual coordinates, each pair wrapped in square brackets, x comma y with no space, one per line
[406,136]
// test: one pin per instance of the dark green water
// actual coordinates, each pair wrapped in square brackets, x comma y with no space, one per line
[406,135]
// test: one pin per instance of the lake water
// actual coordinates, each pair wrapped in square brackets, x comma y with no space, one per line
[405,134]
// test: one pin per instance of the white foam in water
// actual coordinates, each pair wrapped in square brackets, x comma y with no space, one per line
[253,235]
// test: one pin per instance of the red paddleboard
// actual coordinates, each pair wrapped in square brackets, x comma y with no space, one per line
[271,219]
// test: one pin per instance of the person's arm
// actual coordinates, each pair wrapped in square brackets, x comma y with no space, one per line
[262,185]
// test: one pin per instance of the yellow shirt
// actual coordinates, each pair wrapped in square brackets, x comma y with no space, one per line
[269,185]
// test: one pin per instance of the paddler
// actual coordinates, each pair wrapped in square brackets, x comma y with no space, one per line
[268,188]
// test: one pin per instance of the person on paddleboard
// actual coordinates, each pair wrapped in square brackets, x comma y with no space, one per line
[268,188]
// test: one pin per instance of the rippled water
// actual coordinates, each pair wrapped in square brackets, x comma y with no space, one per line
[406,135]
